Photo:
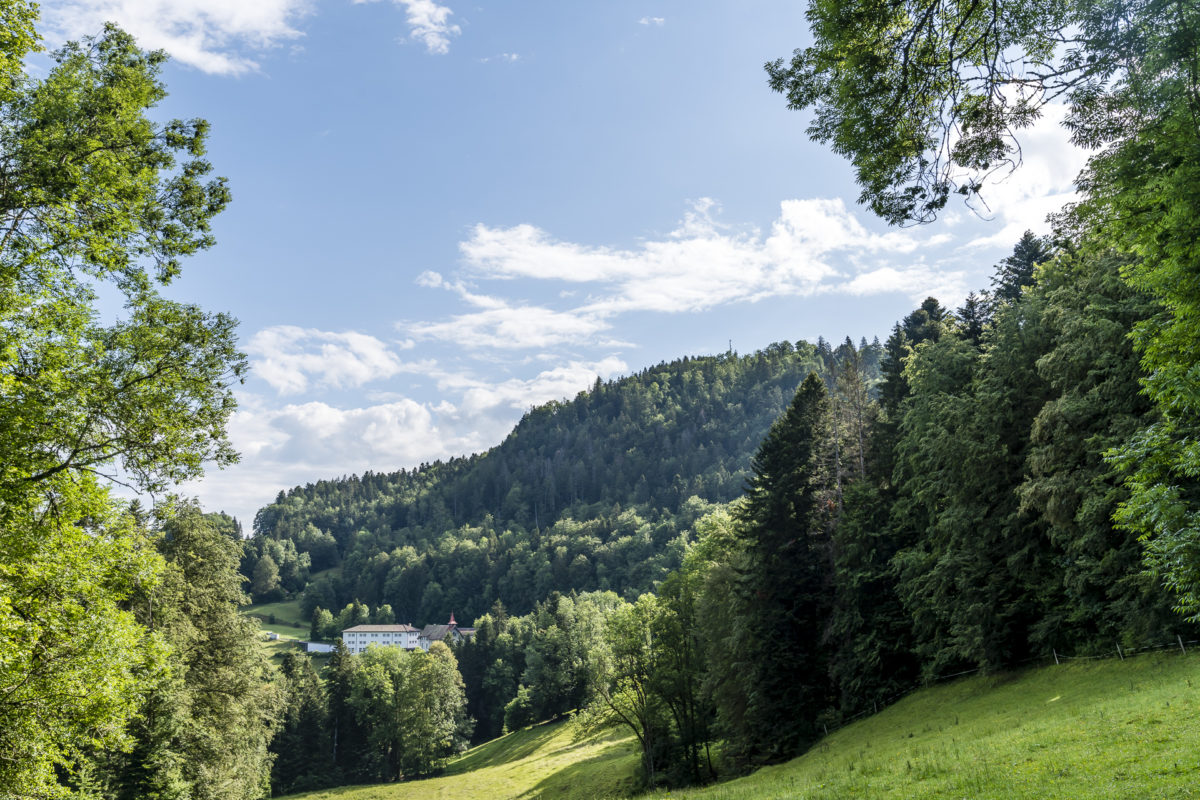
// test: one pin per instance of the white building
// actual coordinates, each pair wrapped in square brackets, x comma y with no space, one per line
[360,636]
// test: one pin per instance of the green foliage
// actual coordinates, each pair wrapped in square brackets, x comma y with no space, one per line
[1010,552]
[1016,271]
[411,707]
[302,747]
[93,193]
[518,712]
[206,721]
[1093,374]
[781,596]
[974,580]
[1140,198]
[349,738]
[928,98]
[18,38]
[323,626]
[74,656]
[625,669]
[264,586]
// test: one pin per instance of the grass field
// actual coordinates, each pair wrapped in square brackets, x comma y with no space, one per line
[546,761]
[288,621]
[1086,729]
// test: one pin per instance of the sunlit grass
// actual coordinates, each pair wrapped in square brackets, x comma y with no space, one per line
[546,761]
[288,620]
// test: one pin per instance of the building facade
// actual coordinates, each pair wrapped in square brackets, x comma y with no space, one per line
[359,637]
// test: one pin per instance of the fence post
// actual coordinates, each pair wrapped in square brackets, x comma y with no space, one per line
[826,727]
[1055,656]
[1122,655]
[1181,647]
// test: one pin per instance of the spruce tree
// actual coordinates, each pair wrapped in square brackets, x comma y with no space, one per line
[349,738]
[782,595]
[205,723]
[1016,271]
[302,747]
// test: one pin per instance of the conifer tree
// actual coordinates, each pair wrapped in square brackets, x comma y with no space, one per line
[302,747]
[205,724]
[349,737]
[782,597]
[1016,271]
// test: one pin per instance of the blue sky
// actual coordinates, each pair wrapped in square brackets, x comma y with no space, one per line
[447,212]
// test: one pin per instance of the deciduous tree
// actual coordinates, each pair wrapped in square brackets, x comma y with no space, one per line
[92,192]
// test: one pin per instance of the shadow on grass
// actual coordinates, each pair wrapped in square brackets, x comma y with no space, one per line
[610,773]
[505,750]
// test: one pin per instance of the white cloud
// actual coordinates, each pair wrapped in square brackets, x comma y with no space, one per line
[216,36]
[430,279]
[656,21]
[918,282]
[700,265]
[289,358]
[1041,185]
[521,327]
[428,23]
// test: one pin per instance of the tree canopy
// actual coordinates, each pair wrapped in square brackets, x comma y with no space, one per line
[92,193]
[928,98]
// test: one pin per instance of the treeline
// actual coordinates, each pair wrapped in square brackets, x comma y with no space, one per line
[969,527]
[587,495]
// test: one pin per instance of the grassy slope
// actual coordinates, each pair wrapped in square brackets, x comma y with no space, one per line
[545,761]
[1087,729]
[1098,729]
[288,621]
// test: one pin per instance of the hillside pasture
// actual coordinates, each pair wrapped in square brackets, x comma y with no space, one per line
[1085,729]
[548,761]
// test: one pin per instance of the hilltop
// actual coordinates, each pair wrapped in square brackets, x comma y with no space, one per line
[586,494]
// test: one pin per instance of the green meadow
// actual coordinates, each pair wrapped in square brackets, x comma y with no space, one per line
[288,620]
[1086,729]
[546,761]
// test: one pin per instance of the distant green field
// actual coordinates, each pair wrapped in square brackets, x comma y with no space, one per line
[545,761]
[1087,729]
[1098,729]
[288,621]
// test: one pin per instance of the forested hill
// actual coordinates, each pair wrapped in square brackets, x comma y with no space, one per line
[589,493]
